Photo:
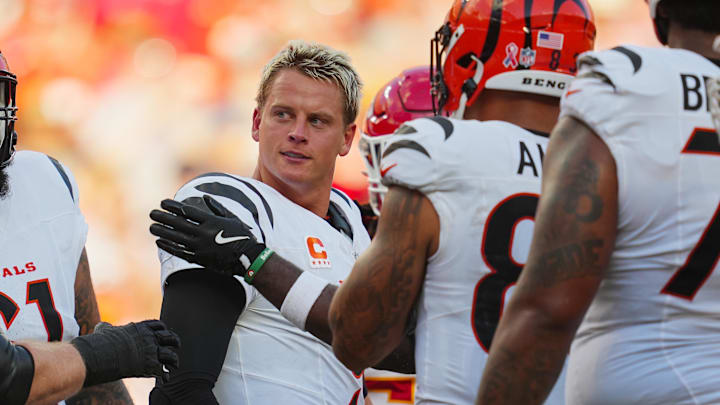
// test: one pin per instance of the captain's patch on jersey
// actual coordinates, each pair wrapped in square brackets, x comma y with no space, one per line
[317,253]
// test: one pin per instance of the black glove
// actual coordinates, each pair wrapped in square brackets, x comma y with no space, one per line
[216,240]
[142,349]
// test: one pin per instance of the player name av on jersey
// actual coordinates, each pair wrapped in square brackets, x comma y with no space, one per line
[531,158]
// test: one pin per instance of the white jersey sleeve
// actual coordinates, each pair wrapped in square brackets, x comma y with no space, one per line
[611,88]
[240,197]
[407,158]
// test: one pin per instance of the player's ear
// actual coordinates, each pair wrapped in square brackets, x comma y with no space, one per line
[348,137]
[256,124]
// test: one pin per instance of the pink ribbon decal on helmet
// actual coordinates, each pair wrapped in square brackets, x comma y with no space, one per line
[511,53]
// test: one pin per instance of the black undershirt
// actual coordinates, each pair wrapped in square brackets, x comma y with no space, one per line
[202,307]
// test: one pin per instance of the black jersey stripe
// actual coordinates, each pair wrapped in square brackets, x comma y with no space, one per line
[337,220]
[405,129]
[64,175]
[405,144]
[199,202]
[250,186]
[446,125]
[341,194]
[633,56]
[224,190]
[263,200]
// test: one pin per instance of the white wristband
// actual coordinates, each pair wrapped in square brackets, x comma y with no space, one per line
[301,297]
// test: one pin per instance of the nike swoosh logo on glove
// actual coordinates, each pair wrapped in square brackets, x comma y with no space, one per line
[220,240]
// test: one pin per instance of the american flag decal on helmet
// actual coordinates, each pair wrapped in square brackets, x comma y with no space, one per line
[551,40]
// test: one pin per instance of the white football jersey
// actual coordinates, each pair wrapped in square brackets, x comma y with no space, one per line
[387,388]
[652,333]
[42,238]
[483,179]
[270,360]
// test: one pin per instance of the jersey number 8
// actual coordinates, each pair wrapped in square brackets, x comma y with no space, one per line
[488,300]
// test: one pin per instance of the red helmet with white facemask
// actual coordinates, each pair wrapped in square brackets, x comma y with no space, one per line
[404,98]
[513,45]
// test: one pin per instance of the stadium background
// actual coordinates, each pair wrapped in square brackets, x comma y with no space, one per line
[137,96]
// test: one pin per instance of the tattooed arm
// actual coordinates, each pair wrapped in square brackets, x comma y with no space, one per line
[575,229]
[87,316]
[369,312]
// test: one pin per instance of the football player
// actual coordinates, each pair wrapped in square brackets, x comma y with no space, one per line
[41,373]
[623,265]
[46,293]
[267,337]
[405,97]
[456,221]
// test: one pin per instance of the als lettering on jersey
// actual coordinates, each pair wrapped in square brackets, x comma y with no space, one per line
[317,253]
[9,271]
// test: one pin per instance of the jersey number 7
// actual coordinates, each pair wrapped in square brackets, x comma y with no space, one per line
[703,259]
[701,262]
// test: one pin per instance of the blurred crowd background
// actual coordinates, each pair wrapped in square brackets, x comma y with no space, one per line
[138,96]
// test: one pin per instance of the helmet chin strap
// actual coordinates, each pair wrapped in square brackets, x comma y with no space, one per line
[460,112]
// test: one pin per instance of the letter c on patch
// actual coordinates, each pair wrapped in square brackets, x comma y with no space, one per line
[316,248]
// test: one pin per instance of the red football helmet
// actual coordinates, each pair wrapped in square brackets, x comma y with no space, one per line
[404,98]
[525,46]
[8,112]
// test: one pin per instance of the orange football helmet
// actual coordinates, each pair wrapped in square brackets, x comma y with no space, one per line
[404,98]
[516,45]
[8,112]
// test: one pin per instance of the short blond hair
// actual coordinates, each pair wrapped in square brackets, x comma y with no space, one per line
[319,62]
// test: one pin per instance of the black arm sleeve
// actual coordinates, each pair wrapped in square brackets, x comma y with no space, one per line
[16,373]
[202,307]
